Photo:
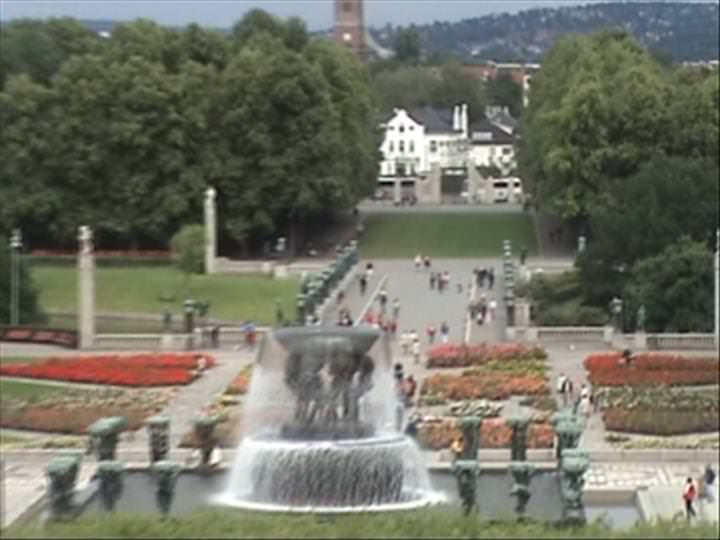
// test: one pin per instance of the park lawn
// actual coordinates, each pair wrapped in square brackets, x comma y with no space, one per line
[139,289]
[28,391]
[446,235]
[19,359]
[113,326]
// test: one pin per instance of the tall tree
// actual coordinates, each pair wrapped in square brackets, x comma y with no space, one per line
[407,46]
[505,92]
[28,307]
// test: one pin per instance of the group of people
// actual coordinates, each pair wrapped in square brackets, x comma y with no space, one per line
[584,402]
[483,310]
[484,274]
[405,387]
[421,262]
[441,281]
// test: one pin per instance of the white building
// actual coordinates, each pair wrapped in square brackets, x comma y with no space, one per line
[419,139]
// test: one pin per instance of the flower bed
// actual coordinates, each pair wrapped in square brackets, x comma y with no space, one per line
[454,355]
[494,433]
[72,412]
[607,369]
[490,385]
[661,422]
[240,384]
[135,370]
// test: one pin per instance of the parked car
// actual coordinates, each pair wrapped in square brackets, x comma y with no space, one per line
[501,191]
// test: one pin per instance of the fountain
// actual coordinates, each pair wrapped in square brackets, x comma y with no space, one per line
[319,431]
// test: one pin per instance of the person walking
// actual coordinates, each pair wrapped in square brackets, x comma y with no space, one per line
[430,331]
[396,309]
[709,477]
[414,336]
[418,262]
[444,332]
[689,493]
[427,262]
[432,280]
[383,298]
[562,386]
[363,284]
[492,308]
[369,269]
[416,351]
[491,278]
[404,342]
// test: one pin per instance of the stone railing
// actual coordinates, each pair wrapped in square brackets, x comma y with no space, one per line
[228,336]
[660,342]
[574,333]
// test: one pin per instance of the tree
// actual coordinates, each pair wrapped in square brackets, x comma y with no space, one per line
[407,46]
[188,249]
[292,32]
[505,92]
[598,110]
[406,87]
[26,48]
[29,309]
[676,287]
[667,198]
[455,87]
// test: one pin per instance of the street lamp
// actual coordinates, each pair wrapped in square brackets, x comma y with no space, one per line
[15,245]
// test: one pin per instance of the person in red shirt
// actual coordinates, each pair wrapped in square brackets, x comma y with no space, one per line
[689,494]
[430,331]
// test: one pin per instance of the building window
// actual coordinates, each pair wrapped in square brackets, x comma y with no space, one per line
[402,129]
[507,150]
[401,146]
[411,127]
[433,147]
[412,146]
[492,150]
[391,147]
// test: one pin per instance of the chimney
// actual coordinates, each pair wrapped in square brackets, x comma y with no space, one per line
[456,118]
[464,120]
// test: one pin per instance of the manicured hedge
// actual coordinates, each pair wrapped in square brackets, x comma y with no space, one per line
[461,355]
[489,385]
[609,369]
[661,422]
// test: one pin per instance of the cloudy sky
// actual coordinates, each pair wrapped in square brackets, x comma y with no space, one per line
[318,14]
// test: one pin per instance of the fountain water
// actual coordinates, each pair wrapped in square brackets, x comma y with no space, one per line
[319,430]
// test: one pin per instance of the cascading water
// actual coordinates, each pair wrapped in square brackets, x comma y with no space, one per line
[319,430]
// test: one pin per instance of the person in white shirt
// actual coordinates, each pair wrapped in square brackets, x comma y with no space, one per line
[416,351]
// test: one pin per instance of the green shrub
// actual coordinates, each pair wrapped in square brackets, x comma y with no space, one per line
[188,249]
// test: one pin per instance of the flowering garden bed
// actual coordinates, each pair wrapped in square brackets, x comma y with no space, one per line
[240,384]
[483,385]
[446,355]
[608,369]
[71,412]
[494,433]
[136,370]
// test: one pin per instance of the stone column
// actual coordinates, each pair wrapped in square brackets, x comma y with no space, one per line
[210,231]
[86,288]
[397,186]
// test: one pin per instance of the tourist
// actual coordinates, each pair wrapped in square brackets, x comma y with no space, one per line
[405,342]
[585,406]
[369,318]
[492,308]
[479,317]
[416,351]
[383,298]
[432,280]
[369,268]
[430,331]
[414,336]
[584,391]
[427,262]
[482,274]
[411,427]
[418,262]
[689,494]
[491,278]
[444,332]
[457,447]
[396,308]
[249,329]
[411,388]
[562,387]
[363,285]
[709,478]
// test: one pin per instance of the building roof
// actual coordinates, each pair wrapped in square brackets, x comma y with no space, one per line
[497,135]
[502,118]
[434,120]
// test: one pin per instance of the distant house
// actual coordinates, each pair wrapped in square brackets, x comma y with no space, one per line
[417,140]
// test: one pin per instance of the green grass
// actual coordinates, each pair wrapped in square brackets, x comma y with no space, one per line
[137,290]
[27,391]
[18,359]
[435,523]
[445,235]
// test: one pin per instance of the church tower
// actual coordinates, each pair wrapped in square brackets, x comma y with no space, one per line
[350,26]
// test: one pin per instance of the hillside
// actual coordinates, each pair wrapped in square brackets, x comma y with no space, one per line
[684,31]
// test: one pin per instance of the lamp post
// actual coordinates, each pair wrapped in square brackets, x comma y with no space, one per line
[15,245]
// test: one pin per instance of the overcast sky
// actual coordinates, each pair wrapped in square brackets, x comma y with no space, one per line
[318,14]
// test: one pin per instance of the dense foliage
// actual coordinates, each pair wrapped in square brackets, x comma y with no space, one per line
[125,133]
[626,150]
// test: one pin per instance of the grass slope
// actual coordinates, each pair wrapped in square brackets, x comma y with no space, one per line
[445,234]
[434,523]
[27,391]
[137,290]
